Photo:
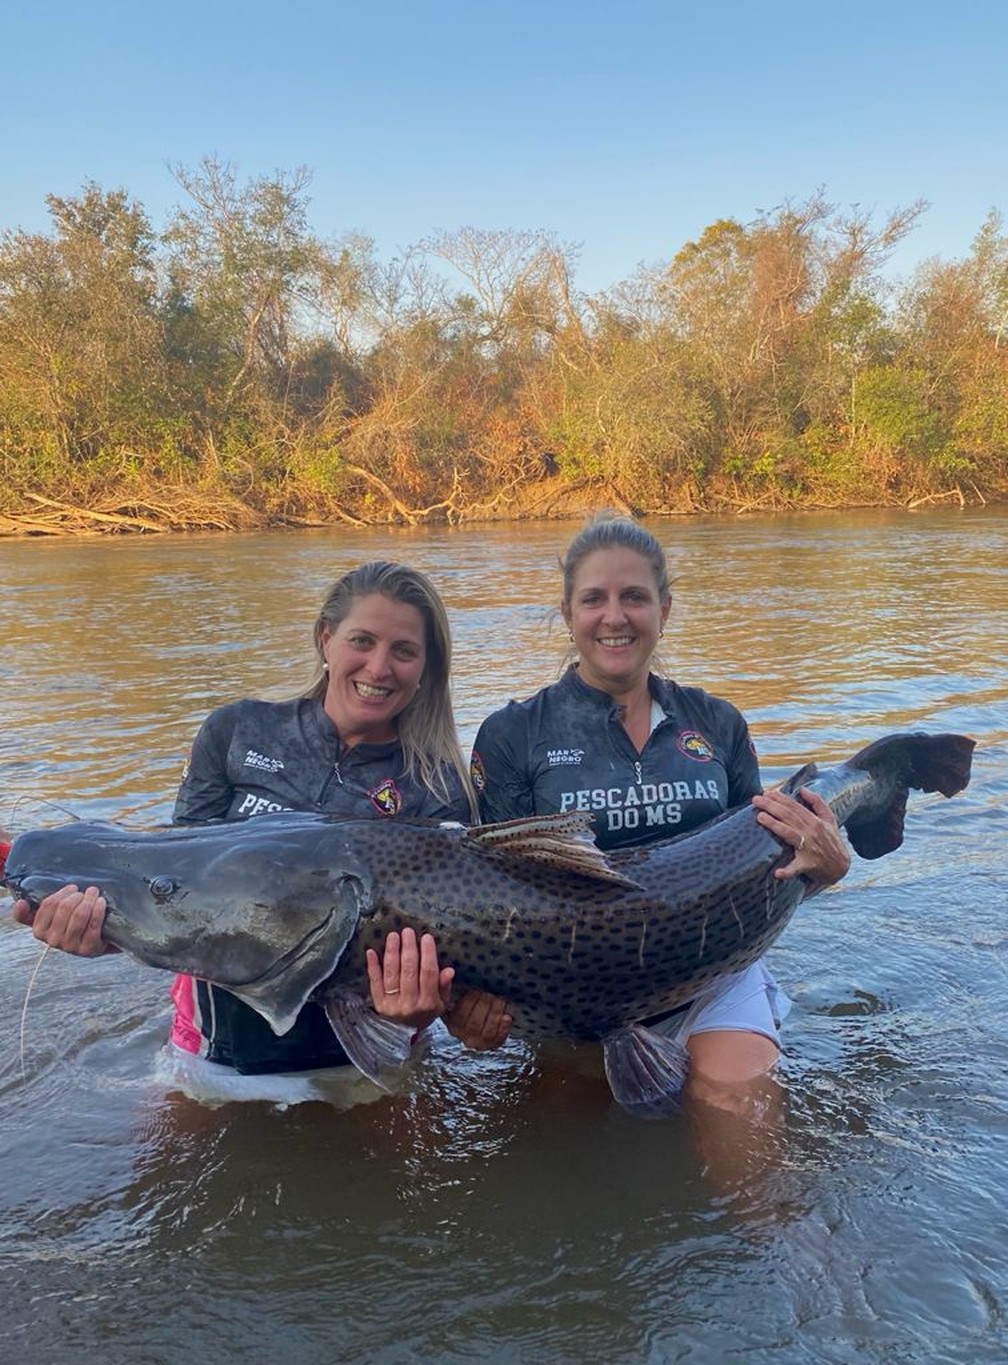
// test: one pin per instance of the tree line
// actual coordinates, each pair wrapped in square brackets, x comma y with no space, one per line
[235,368]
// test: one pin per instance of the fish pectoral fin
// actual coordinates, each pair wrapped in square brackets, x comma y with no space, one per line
[646,1070]
[374,1045]
[561,841]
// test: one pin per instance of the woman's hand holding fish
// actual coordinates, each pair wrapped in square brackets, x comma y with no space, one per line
[810,827]
[479,1020]
[407,984]
[70,920]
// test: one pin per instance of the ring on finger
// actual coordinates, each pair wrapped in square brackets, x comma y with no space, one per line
[801,844]
[391,990]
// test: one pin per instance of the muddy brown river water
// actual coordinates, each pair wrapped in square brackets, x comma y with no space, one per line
[502,1208]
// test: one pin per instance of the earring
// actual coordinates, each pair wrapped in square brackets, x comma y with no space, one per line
[570,635]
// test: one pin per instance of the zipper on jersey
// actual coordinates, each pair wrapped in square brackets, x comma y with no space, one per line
[335,775]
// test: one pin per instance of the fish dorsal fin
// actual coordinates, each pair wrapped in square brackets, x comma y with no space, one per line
[562,841]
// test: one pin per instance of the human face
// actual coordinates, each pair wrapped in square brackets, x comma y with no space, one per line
[615,616]
[376,658]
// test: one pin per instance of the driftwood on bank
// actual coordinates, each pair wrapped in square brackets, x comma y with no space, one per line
[184,512]
[956,493]
[447,509]
[161,510]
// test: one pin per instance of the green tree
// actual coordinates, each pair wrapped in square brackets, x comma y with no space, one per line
[248,283]
[80,337]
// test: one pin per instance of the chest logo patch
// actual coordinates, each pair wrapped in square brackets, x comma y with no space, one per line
[265,764]
[386,798]
[694,745]
[557,758]
[477,773]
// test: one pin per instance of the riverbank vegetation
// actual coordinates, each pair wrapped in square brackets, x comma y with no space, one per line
[232,368]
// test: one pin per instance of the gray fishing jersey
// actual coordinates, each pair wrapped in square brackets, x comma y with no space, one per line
[251,757]
[565,749]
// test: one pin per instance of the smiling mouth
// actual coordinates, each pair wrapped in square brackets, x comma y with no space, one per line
[616,641]
[369,693]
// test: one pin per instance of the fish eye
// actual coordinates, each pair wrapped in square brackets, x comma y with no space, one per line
[163,888]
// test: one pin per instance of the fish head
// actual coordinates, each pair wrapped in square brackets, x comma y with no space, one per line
[263,908]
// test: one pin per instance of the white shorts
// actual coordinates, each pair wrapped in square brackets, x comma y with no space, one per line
[749,1001]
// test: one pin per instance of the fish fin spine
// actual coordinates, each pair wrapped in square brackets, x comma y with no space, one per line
[562,841]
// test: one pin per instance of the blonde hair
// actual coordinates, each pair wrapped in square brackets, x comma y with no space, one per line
[426,724]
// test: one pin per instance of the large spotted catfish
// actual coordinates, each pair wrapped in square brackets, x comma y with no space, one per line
[583,945]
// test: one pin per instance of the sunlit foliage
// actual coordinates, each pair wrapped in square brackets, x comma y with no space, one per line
[238,355]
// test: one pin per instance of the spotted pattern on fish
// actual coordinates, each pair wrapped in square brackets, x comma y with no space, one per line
[581,944]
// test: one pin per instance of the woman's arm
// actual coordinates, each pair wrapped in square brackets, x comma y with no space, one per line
[499,767]
[206,791]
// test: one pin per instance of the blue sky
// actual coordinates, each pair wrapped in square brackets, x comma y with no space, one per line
[626,127]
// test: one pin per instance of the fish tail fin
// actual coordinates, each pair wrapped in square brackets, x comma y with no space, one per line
[926,763]
[646,1070]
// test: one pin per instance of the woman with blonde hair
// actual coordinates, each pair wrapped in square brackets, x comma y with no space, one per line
[373,737]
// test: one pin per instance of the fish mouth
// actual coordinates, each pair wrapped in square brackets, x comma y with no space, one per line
[34,889]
